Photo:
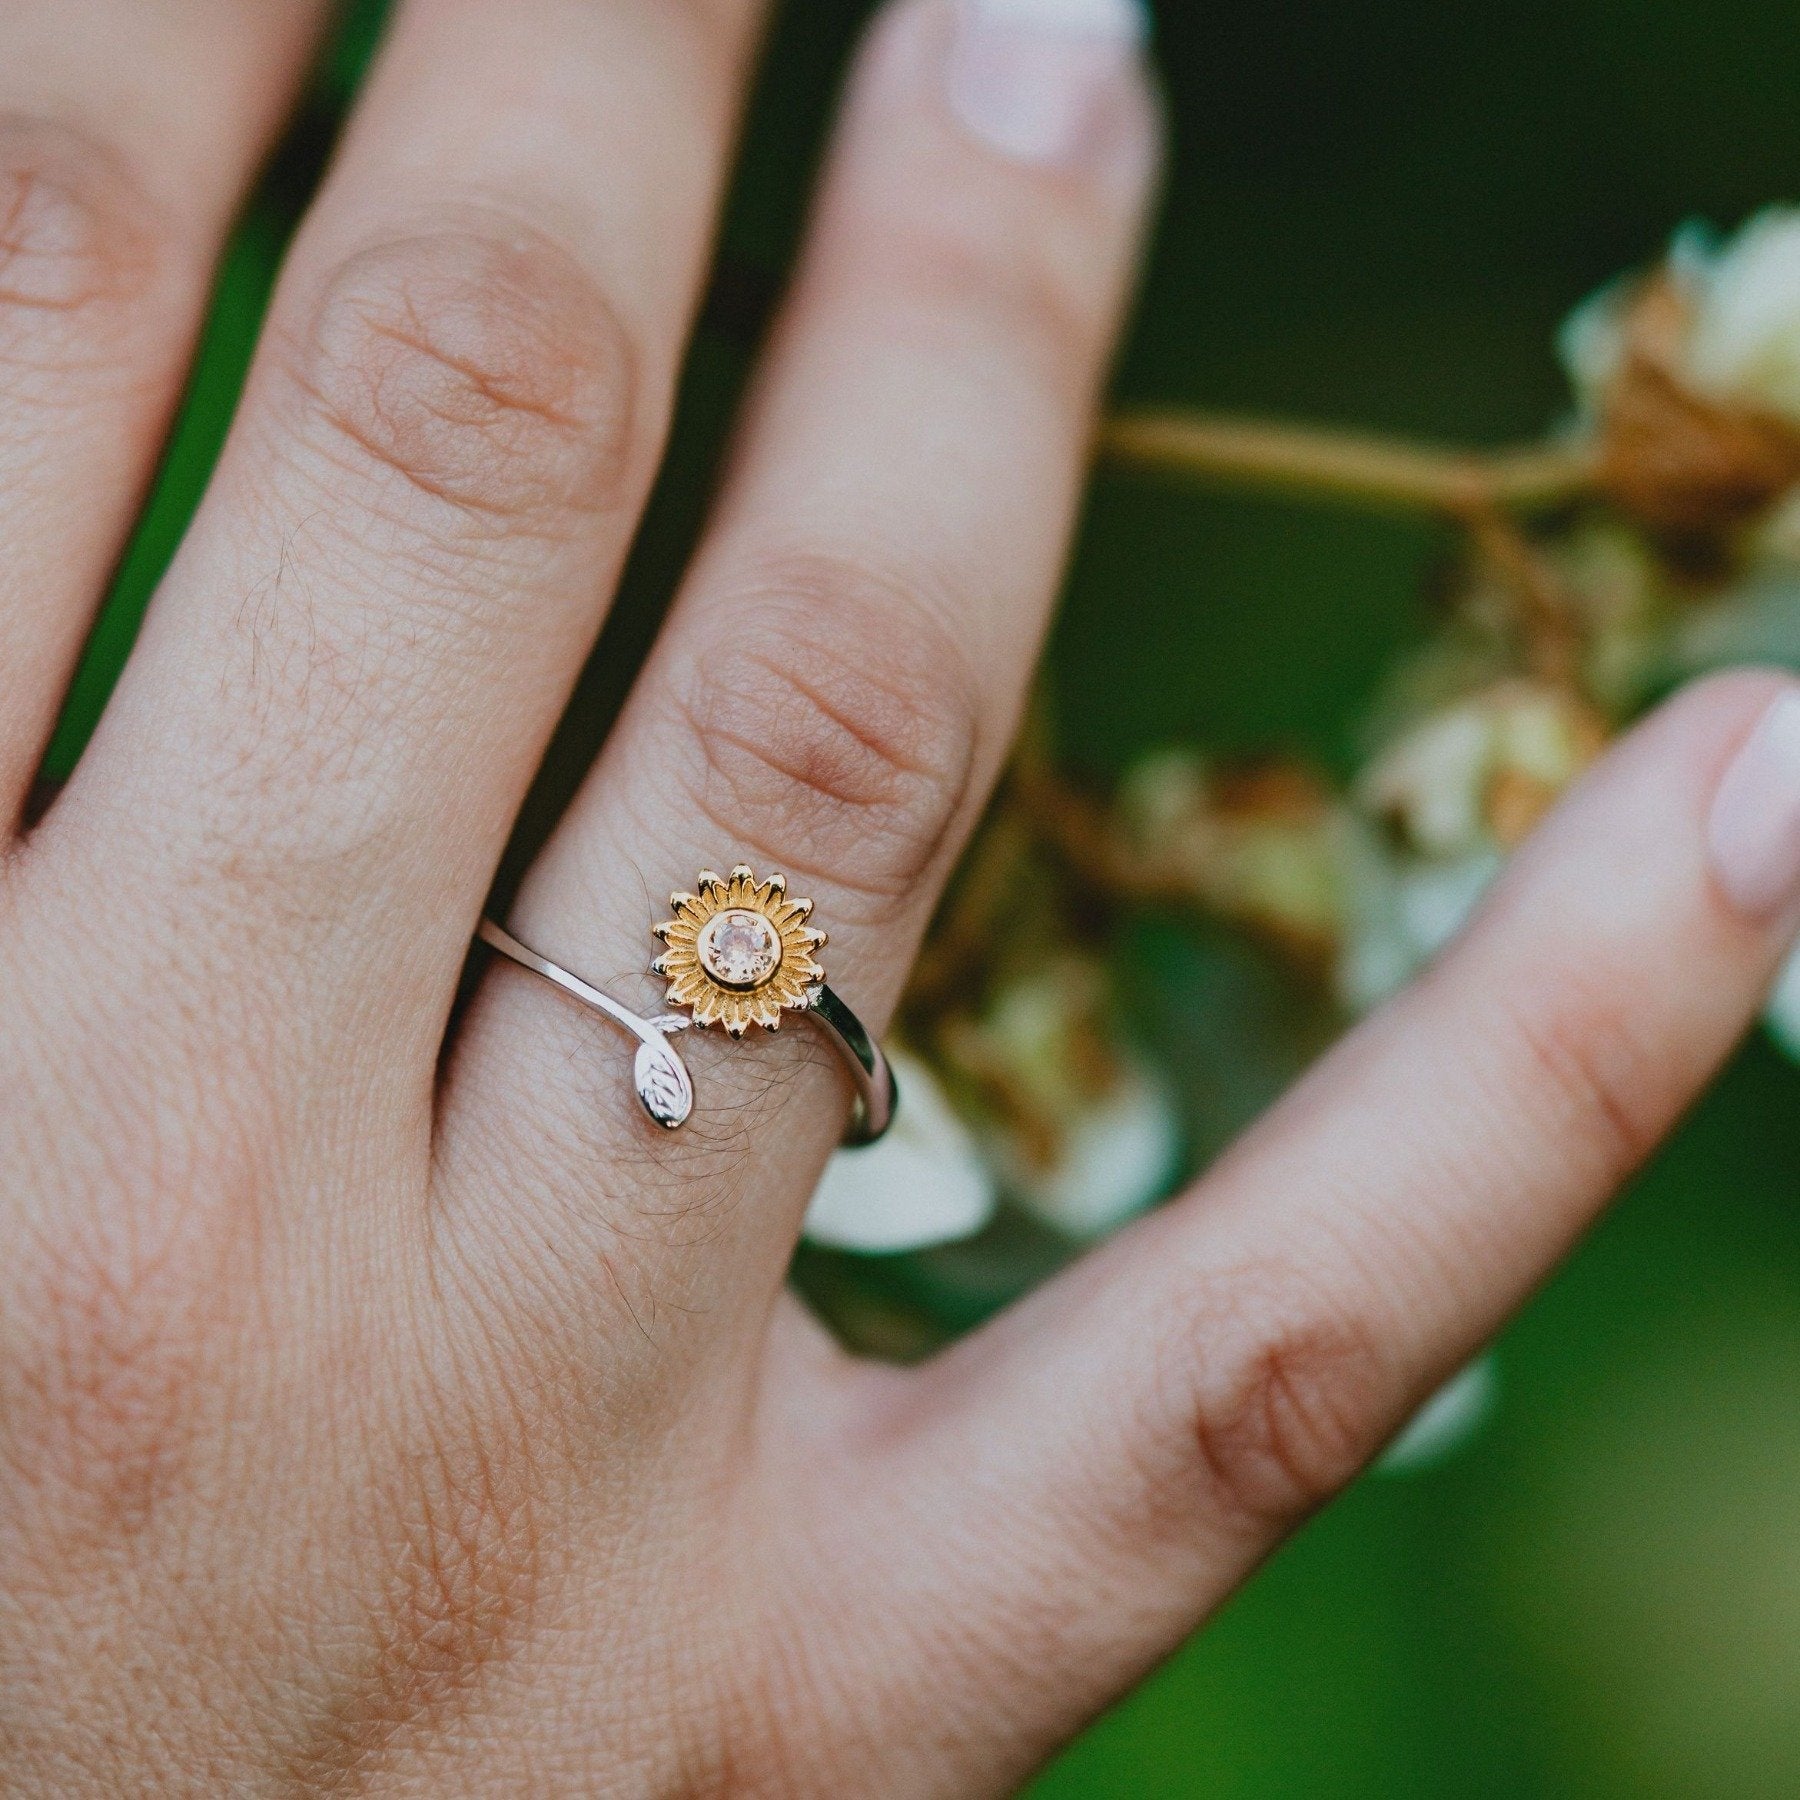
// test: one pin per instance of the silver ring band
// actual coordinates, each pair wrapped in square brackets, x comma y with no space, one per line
[663,1083]
[870,1071]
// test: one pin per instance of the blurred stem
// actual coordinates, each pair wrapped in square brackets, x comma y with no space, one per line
[1353,466]
[963,933]
[1482,491]
[1078,829]
[1548,631]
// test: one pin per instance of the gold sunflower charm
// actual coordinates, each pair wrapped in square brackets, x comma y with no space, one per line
[740,952]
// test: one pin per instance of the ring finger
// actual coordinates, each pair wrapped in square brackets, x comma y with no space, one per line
[838,683]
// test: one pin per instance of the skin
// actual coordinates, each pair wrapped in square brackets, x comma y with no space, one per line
[380,1416]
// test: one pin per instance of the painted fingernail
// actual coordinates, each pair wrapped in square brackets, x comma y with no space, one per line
[1753,831]
[1036,78]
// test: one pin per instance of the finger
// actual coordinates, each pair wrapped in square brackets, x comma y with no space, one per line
[128,129]
[349,676]
[1119,1453]
[839,680]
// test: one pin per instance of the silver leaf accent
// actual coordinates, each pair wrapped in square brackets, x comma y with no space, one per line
[663,1084]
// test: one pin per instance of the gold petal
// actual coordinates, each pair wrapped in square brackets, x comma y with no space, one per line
[792,987]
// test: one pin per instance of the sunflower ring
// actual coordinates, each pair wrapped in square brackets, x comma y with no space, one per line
[738,952]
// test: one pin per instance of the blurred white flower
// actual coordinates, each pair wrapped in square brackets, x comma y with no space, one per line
[1402,910]
[924,1183]
[1446,1422]
[1118,1156]
[1082,1132]
[1482,771]
[1433,782]
[1687,379]
[1255,845]
[1379,955]
[1723,314]
[1437,899]
[1595,340]
[1744,344]
[1443,804]
[1782,1014]
[1590,343]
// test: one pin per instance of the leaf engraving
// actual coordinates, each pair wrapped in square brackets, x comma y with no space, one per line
[663,1084]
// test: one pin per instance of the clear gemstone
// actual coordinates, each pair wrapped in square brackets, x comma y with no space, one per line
[740,949]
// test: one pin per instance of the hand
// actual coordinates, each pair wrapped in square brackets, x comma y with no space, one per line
[384,1416]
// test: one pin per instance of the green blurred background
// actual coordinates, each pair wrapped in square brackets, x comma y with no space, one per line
[1377,213]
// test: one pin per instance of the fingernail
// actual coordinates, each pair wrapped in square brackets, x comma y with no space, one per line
[1753,832]
[1036,78]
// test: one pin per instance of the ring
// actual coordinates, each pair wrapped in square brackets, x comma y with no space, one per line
[737,953]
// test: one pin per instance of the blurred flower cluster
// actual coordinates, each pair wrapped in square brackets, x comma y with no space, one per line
[1654,535]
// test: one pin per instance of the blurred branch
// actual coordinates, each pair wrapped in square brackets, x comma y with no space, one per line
[1078,828]
[1548,629]
[1345,465]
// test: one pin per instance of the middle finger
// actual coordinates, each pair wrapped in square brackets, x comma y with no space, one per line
[839,680]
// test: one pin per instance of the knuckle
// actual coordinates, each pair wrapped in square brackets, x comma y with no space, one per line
[833,724]
[1284,1396]
[480,374]
[75,250]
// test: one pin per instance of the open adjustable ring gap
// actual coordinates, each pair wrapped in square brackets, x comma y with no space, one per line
[737,953]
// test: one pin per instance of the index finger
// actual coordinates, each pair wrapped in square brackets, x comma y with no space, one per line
[1161,1417]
